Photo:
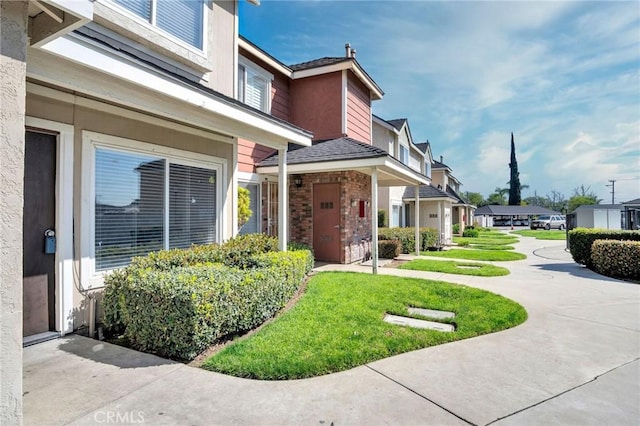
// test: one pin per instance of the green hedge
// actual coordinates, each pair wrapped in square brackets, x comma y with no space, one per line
[619,259]
[175,303]
[581,239]
[471,232]
[388,249]
[406,237]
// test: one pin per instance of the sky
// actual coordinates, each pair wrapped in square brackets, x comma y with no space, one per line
[564,77]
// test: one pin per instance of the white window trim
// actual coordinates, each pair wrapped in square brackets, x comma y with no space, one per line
[90,278]
[400,154]
[64,257]
[151,26]
[257,69]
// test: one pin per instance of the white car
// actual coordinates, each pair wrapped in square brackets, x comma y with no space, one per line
[549,221]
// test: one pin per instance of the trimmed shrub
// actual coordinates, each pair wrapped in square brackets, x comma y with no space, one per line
[406,237]
[581,239]
[388,249]
[471,232]
[382,218]
[456,228]
[619,259]
[175,303]
[464,243]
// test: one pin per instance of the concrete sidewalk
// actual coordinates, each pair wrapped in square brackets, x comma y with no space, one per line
[574,361]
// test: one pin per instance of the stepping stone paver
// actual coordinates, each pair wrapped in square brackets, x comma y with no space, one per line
[431,313]
[416,323]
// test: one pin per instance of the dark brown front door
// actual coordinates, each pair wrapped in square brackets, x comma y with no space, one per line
[39,216]
[326,221]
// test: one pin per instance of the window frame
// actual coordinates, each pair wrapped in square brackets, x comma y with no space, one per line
[258,214]
[151,24]
[400,154]
[90,278]
[259,71]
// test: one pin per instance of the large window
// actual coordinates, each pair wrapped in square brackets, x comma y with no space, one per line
[146,202]
[254,85]
[183,19]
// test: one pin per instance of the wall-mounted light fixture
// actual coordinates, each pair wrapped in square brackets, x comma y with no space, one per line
[354,202]
[297,180]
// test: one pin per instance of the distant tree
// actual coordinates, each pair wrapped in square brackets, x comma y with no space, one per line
[474,198]
[556,201]
[582,197]
[515,197]
[536,200]
[498,197]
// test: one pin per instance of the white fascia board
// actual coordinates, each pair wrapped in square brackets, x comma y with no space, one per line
[399,175]
[252,50]
[346,65]
[94,56]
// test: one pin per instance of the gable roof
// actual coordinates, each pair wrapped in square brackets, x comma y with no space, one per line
[634,202]
[397,123]
[425,191]
[455,195]
[513,211]
[327,150]
[320,62]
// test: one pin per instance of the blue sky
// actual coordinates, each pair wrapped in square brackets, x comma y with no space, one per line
[564,77]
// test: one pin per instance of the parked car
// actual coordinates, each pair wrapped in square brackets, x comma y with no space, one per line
[549,221]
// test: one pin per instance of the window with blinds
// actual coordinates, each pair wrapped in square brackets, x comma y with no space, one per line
[131,214]
[183,19]
[254,86]
[404,155]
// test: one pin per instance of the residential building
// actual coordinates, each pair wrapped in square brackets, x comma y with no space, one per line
[631,212]
[333,184]
[602,216]
[394,136]
[120,136]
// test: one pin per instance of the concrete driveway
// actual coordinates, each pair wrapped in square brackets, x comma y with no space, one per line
[575,361]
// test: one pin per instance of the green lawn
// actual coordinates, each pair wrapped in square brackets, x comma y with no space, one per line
[490,247]
[467,254]
[487,240]
[542,234]
[338,324]
[461,268]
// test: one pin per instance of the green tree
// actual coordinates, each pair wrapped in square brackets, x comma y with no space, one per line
[515,197]
[244,209]
[556,201]
[474,198]
[498,197]
[582,197]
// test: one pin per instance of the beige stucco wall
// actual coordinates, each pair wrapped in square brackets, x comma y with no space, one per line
[83,118]
[13,36]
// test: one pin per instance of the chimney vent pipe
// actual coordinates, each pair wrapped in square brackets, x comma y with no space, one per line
[441,159]
[347,48]
[353,53]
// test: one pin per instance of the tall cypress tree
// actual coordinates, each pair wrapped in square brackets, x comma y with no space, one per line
[514,183]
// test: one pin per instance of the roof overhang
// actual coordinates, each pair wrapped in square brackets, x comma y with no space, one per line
[425,199]
[382,122]
[349,64]
[95,70]
[50,19]
[254,50]
[390,172]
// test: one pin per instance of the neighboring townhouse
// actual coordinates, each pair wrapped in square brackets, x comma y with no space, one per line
[120,136]
[441,206]
[394,136]
[333,184]
[631,214]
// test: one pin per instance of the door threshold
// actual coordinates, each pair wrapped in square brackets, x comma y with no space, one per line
[34,339]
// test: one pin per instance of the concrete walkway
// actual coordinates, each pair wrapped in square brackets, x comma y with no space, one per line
[574,361]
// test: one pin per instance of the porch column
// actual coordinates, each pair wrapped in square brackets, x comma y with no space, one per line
[440,221]
[374,221]
[13,73]
[417,215]
[283,200]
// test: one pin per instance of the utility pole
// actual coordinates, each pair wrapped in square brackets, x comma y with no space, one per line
[613,190]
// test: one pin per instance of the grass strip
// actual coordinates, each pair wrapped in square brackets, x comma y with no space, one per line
[470,254]
[460,268]
[542,234]
[337,325]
